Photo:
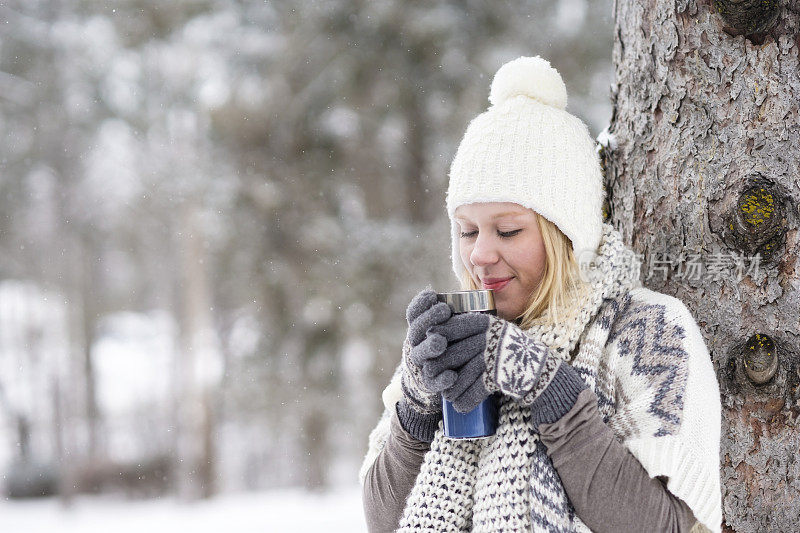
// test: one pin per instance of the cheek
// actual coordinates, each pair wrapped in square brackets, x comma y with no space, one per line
[532,262]
[465,252]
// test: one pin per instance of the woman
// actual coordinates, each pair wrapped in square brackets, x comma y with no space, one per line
[609,405]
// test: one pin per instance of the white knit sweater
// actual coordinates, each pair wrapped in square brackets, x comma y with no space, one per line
[643,355]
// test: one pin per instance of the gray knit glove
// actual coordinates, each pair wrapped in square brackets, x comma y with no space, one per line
[420,409]
[465,335]
[489,355]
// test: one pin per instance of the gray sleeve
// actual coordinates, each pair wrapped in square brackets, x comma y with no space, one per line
[607,485]
[389,480]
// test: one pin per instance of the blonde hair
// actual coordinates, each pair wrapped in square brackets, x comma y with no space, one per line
[562,289]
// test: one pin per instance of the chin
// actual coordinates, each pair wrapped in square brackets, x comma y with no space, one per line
[504,315]
[508,314]
[502,306]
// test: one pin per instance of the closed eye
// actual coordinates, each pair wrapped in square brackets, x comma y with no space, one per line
[507,234]
[502,234]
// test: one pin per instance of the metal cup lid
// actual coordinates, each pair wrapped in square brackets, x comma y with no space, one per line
[466,301]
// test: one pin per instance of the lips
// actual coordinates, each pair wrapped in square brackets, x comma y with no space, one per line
[495,284]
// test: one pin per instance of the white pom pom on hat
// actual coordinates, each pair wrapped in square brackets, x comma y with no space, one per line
[527,149]
[532,77]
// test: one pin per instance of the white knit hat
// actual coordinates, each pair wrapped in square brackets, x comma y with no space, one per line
[528,150]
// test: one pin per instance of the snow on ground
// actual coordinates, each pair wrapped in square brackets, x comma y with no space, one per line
[266,512]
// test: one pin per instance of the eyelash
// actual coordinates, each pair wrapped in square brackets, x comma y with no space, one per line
[503,234]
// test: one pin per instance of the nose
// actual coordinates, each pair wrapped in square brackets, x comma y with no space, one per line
[484,252]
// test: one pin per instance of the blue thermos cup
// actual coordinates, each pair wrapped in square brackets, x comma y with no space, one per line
[481,422]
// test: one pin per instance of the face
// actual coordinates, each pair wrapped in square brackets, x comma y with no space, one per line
[502,248]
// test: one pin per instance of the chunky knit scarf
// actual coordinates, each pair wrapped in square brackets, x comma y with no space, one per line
[644,357]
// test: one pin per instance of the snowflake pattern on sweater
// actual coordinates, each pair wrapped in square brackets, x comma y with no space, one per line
[651,350]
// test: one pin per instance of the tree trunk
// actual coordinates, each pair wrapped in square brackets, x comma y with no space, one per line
[700,173]
[198,367]
[88,271]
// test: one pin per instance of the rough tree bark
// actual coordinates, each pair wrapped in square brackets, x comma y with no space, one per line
[704,160]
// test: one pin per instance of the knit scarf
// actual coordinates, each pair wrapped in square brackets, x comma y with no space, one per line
[508,482]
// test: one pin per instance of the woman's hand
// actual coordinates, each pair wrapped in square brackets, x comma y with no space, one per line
[488,354]
[421,407]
